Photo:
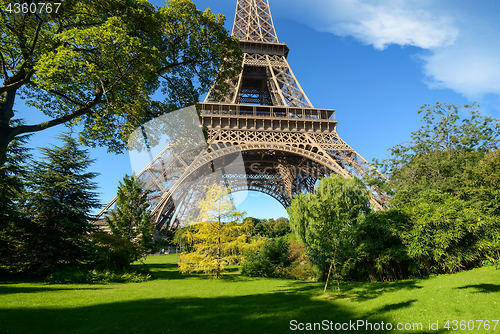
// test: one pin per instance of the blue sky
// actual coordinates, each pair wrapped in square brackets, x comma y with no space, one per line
[374,61]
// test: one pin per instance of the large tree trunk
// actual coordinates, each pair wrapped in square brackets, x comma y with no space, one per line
[7,99]
[4,143]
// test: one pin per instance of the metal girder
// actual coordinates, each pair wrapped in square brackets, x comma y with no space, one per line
[253,22]
[265,80]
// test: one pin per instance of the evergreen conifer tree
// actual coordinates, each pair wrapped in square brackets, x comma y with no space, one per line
[12,222]
[60,199]
[217,239]
[130,218]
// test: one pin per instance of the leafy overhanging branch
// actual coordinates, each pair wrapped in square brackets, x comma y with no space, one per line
[56,62]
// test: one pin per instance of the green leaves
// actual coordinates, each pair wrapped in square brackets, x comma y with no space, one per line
[447,128]
[447,234]
[446,185]
[217,240]
[326,220]
[100,65]
[129,220]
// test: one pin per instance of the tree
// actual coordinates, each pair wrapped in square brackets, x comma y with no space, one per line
[218,239]
[258,225]
[98,64]
[481,183]
[446,193]
[446,138]
[61,198]
[446,234]
[278,227]
[12,221]
[130,218]
[269,227]
[380,251]
[325,220]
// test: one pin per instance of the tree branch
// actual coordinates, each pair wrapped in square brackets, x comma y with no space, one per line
[42,126]
[172,86]
[13,62]
[161,69]
[18,81]
[65,97]
[3,67]
[37,33]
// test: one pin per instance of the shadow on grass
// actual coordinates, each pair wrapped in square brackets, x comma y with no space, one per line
[357,291]
[259,313]
[17,284]
[169,271]
[363,290]
[166,271]
[396,306]
[484,288]
[11,289]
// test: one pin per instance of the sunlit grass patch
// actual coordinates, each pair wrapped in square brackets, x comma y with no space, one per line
[171,302]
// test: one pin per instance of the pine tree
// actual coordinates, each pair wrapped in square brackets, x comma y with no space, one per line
[12,222]
[217,239]
[59,205]
[130,218]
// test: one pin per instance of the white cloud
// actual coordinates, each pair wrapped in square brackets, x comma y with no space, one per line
[460,36]
[380,23]
[394,23]
[472,71]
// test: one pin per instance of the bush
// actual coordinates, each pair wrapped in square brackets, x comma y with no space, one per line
[447,234]
[379,252]
[438,234]
[112,253]
[303,272]
[300,266]
[76,275]
[257,266]
[272,260]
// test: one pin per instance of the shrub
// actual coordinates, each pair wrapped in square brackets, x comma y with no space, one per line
[300,266]
[272,260]
[111,252]
[379,252]
[76,275]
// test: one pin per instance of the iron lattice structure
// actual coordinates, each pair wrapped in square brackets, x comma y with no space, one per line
[285,143]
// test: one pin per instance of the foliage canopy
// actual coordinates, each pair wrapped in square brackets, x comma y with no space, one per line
[98,64]
[129,221]
[446,204]
[325,220]
[448,130]
[60,198]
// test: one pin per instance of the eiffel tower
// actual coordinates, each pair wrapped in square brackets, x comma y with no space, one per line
[285,143]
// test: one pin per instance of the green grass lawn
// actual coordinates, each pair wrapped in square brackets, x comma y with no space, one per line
[175,303]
